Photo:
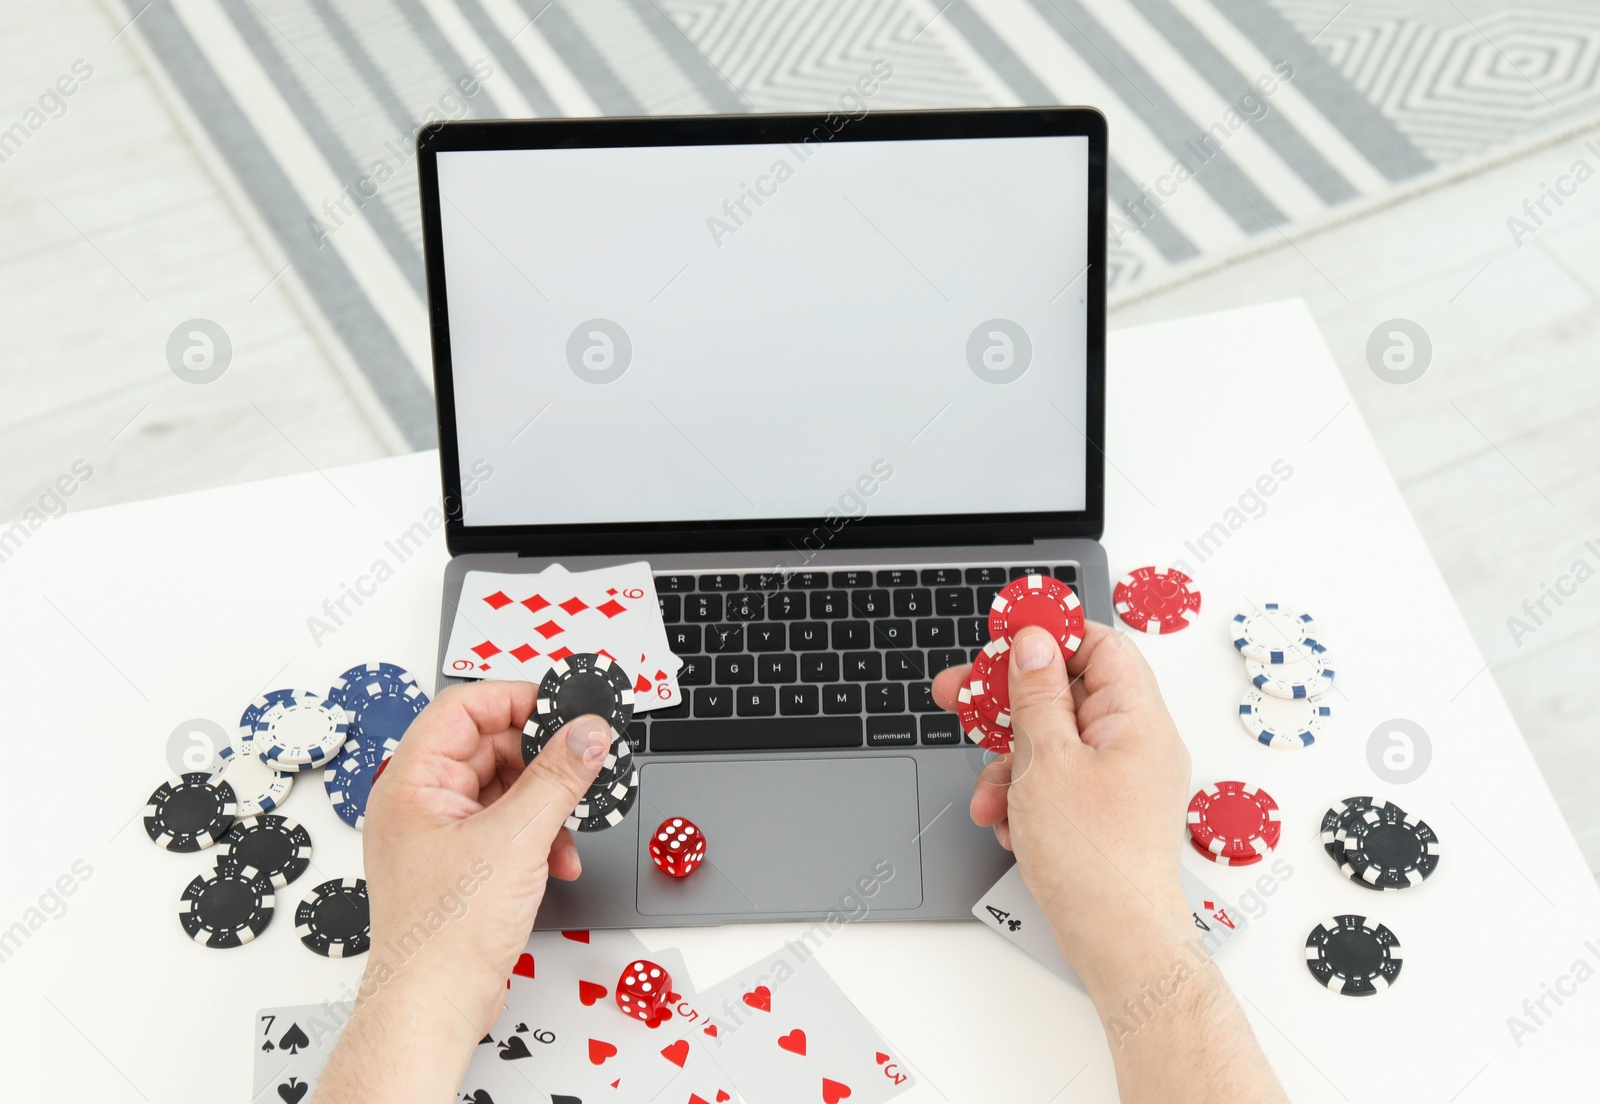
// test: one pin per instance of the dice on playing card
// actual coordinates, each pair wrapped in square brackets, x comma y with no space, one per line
[642,991]
[678,847]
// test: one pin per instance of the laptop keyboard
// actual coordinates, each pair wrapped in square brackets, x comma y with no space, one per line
[821,659]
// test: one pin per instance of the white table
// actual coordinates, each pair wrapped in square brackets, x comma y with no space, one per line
[122,623]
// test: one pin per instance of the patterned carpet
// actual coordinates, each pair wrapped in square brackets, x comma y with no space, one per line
[1234,123]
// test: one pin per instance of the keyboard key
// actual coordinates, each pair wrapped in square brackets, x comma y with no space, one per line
[786,606]
[863,666]
[819,667]
[891,634]
[808,580]
[941,730]
[828,604]
[851,634]
[765,581]
[758,701]
[841,699]
[921,697]
[913,602]
[735,670]
[745,607]
[851,579]
[1019,572]
[953,602]
[986,598]
[696,671]
[674,584]
[712,701]
[776,733]
[942,659]
[1067,573]
[977,576]
[906,665]
[671,608]
[703,607]
[936,632]
[972,632]
[672,712]
[719,582]
[721,639]
[767,637]
[896,577]
[799,701]
[684,638]
[808,636]
[870,603]
[941,576]
[777,669]
[635,731]
[885,697]
[891,731]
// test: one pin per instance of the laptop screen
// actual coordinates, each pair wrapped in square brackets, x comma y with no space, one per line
[723,333]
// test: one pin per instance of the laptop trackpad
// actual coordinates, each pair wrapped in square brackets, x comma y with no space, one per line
[786,836]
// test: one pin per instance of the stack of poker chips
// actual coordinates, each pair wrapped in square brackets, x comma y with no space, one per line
[1290,671]
[588,683]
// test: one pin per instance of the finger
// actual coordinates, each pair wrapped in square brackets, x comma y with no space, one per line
[947,684]
[1002,832]
[1107,658]
[1042,705]
[989,794]
[564,861]
[455,741]
[539,801]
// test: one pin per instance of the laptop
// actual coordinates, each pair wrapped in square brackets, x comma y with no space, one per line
[837,379]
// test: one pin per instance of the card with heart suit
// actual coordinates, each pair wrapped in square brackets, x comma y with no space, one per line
[1010,910]
[787,1034]
[515,626]
[292,1044]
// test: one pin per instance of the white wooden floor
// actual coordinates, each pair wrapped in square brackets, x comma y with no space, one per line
[113,230]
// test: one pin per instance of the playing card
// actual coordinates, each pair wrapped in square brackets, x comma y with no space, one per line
[292,1045]
[1010,910]
[786,1033]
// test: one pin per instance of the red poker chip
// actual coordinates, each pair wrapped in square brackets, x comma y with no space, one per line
[1038,600]
[383,766]
[986,734]
[990,683]
[1226,860]
[1156,600]
[1234,821]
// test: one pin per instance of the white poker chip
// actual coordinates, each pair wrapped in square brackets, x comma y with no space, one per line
[1272,632]
[1304,673]
[1283,722]
[256,786]
[301,732]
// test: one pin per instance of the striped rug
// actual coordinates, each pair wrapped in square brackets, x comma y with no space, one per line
[1234,123]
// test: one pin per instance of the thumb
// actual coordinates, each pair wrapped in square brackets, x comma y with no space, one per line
[542,798]
[1042,709]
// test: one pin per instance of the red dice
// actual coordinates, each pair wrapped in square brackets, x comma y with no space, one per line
[678,847]
[642,992]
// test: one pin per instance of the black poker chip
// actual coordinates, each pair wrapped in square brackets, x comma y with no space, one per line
[336,922]
[275,845]
[190,812]
[605,807]
[227,909]
[619,759]
[1350,957]
[584,683]
[1339,819]
[1385,847]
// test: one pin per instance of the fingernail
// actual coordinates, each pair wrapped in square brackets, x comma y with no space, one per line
[1033,651]
[588,739]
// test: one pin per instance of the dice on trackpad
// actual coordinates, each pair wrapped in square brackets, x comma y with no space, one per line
[786,836]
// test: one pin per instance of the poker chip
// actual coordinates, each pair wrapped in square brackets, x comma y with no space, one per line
[190,812]
[584,683]
[1337,821]
[1227,860]
[1350,957]
[277,847]
[986,734]
[246,732]
[603,808]
[1234,821]
[380,701]
[336,922]
[619,759]
[1273,632]
[1283,722]
[256,786]
[1156,600]
[1041,600]
[349,780]
[227,909]
[300,733]
[1303,674]
[1387,848]
[990,683]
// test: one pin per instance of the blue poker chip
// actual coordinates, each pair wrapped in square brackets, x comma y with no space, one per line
[381,699]
[349,780]
[1283,722]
